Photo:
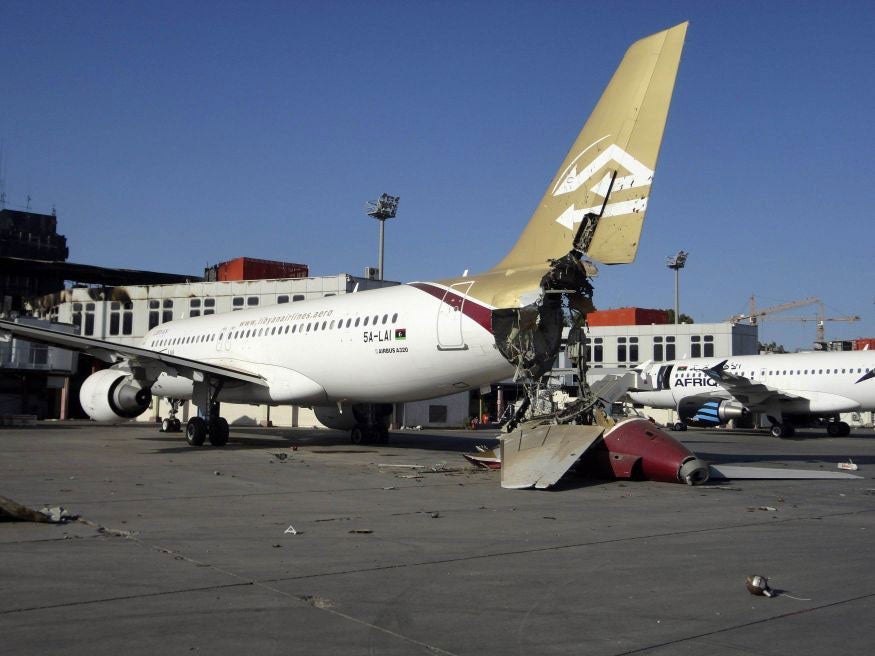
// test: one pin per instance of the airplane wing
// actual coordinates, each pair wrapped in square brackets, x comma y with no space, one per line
[745,390]
[136,356]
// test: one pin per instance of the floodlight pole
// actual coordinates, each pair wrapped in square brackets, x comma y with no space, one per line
[385,207]
[677,263]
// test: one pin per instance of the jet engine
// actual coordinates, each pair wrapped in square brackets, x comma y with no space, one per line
[113,395]
[638,449]
[332,417]
[710,412]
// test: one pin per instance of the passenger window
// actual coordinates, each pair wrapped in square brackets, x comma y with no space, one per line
[357,322]
[394,317]
[366,321]
[385,318]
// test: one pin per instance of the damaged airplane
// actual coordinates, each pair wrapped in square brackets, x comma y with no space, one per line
[350,357]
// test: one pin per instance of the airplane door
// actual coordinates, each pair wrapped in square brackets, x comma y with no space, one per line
[449,319]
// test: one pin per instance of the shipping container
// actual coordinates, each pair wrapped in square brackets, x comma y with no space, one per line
[250,268]
[630,316]
[862,343]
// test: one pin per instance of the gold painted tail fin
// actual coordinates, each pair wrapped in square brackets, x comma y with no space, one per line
[609,170]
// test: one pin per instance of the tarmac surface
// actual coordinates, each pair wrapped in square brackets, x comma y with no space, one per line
[182,550]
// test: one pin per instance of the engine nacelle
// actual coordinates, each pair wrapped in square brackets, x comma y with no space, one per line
[638,449]
[361,414]
[330,417]
[710,412]
[113,395]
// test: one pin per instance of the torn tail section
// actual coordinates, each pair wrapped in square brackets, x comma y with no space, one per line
[609,170]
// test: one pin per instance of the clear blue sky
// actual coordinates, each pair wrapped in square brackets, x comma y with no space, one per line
[172,135]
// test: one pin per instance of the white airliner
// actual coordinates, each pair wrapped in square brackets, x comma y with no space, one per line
[352,356]
[790,389]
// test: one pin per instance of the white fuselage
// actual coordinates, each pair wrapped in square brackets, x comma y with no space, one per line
[392,344]
[809,383]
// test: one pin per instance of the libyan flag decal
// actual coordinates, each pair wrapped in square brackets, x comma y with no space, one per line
[401,333]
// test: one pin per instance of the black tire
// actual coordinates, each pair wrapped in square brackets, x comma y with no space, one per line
[845,429]
[779,430]
[833,429]
[680,426]
[196,431]
[166,425]
[219,432]
[177,425]
[357,435]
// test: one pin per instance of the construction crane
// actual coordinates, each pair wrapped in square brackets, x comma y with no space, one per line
[754,314]
[820,319]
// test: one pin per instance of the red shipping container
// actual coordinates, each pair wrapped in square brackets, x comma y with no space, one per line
[863,342]
[249,268]
[630,316]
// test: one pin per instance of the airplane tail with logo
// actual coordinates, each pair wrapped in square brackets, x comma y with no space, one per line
[605,181]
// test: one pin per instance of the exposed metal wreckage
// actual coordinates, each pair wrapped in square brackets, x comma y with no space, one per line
[543,441]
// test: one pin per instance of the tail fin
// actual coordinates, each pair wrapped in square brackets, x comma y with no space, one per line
[609,170]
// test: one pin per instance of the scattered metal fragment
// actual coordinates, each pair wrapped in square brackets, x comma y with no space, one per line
[388,465]
[217,473]
[292,531]
[758,585]
[435,515]
[317,601]
[361,531]
[280,456]
[850,465]
[13,511]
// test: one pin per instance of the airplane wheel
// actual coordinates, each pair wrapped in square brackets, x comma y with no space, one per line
[356,436]
[680,426]
[844,429]
[779,430]
[166,425]
[219,432]
[833,429]
[196,431]
[177,425]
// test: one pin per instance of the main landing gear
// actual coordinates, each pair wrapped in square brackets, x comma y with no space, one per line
[212,427]
[838,429]
[371,424]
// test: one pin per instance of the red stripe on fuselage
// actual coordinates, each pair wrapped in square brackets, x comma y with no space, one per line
[471,309]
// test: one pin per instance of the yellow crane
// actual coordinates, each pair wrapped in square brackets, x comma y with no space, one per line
[753,315]
[820,319]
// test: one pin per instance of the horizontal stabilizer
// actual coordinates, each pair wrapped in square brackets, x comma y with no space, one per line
[539,457]
[734,472]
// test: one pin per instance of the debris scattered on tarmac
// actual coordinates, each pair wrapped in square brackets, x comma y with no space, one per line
[758,585]
[316,601]
[292,531]
[217,473]
[850,465]
[361,531]
[280,456]
[13,511]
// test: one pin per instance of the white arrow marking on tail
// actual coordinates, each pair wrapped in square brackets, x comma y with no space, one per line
[571,215]
[639,175]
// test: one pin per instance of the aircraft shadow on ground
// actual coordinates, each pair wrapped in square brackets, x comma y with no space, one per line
[330,441]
